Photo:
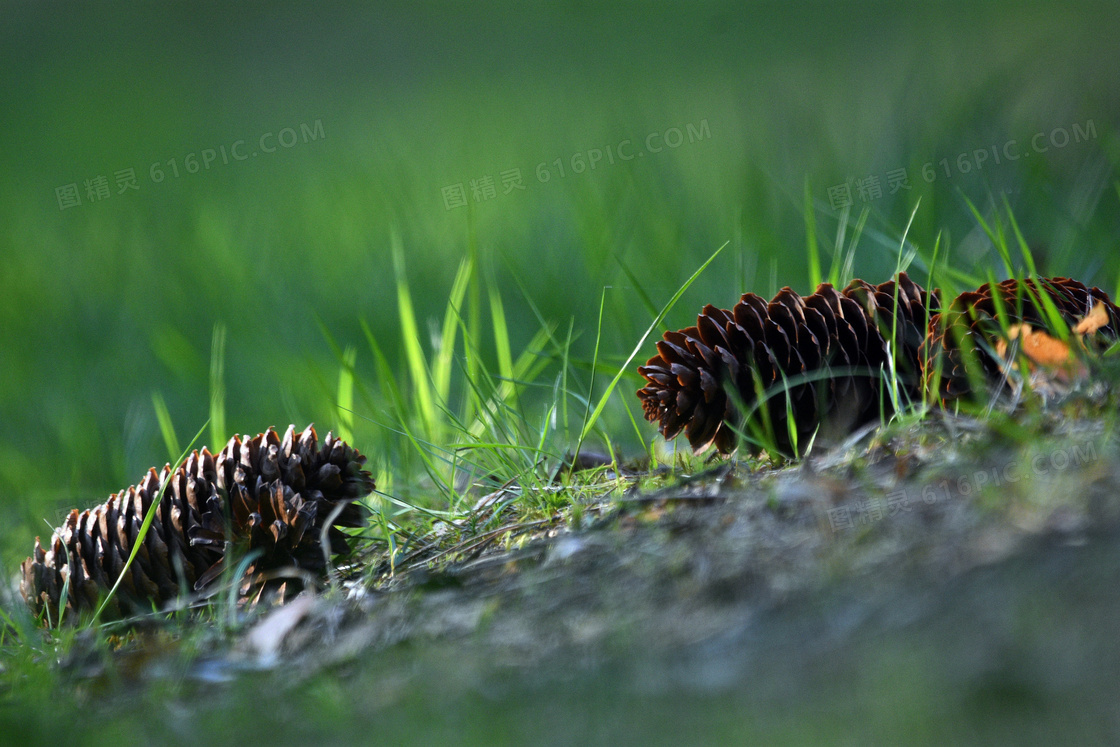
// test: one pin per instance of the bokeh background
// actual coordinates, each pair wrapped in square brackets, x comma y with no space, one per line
[359,122]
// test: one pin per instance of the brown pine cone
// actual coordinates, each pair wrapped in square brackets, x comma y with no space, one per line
[916,306]
[971,322]
[263,494]
[827,347]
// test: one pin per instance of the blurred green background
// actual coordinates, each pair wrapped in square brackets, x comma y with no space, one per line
[388,107]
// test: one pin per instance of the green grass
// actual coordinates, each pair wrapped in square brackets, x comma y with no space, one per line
[470,431]
[474,350]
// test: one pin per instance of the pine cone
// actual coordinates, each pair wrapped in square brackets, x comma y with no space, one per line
[971,321]
[915,307]
[262,493]
[829,343]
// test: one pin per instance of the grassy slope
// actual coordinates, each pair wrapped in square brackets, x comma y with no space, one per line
[103,304]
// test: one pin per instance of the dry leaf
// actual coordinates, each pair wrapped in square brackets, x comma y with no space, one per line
[1052,364]
[1040,347]
[1094,320]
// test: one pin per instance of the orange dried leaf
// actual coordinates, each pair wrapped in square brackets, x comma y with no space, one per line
[1094,320]
[1040,347]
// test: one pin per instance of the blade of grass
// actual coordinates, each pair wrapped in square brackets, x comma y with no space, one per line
[850,255]
[838,247]
[634,423]
[474,309]
[996,236]
[345,400]
[811,238]
[564,367]
[234,588]
[396,397]
[218,433]
[526,368]
[501,333]
[148,517]
[591,388]
[926,350]
[441,368]
[1024,250]
[592,418]
[410,335]
[166,427]
[385,376]
[647,302]
[10,623]
[1053,317]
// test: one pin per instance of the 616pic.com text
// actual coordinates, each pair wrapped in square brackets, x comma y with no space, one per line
[97,188]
